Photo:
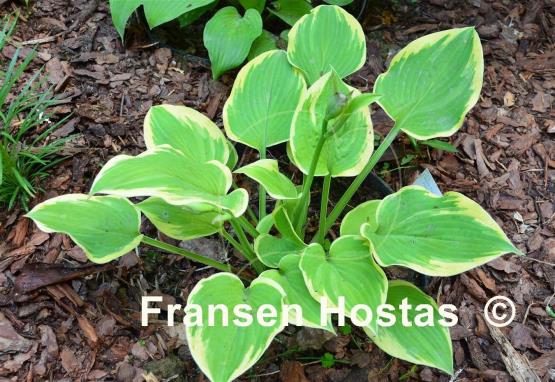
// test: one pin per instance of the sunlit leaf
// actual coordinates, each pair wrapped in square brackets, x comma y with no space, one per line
[348,271]
[290,11]
[186,130]
[349,138]
[327,38]
[105,227]
[435,235]
[263,100]
[225,352]
[428,344]
[168,174]
[266,172]
[433,82]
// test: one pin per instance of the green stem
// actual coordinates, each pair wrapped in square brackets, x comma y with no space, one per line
[247,251]
[248,227]
[262,193]
[231,240]
[189,255]
[342,203]
[324,209]
[302,208]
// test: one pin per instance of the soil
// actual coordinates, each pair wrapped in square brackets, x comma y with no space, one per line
[60,323]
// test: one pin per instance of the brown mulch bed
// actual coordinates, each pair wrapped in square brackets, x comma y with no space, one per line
[86,325]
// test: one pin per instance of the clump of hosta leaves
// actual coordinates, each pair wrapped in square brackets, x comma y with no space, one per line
[185,184]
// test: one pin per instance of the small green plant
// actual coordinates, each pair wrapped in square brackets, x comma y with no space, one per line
[229,37]
[25,153]
[299,97]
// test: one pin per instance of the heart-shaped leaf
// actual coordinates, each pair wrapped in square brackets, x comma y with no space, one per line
[225,352]
[349,138]
[181,222]
[186,130]
[433,82]
[290,278]
[270,89]
[105,227]
[327,38]
[435,235]
[228,38]
[271,249]
[348,271]
[168,174]
[266,172]
[428,344]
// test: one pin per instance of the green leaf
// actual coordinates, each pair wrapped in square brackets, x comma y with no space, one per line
[433,82]
[271,249]
[364,213]
[266,172]
[105,227]
[341,3]
[423,345]
[348,271]
[290,278]
[440,145]
[290,11]
[153,173]
[255,4]
[327,38]
[260,108]
[263,43]
[228,38]
[186,130]
[349,138]
[190,17]
[156,12]
[181,223]
[327,360]
[233,157]
[225,352]
[434,235]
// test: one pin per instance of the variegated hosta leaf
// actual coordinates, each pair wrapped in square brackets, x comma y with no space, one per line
[364,213]
[186,130]
[434,235]
[290,278]
[327,38]
[350,138]
[348,271]
[181,222]
[228,38]
[105,227]
[423,345]
[225,352]
[260,108]
[266,172]
[433,82]
[271,249]
[168,174]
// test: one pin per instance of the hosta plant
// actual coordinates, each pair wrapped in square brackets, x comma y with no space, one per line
[184,184]
[233,33]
